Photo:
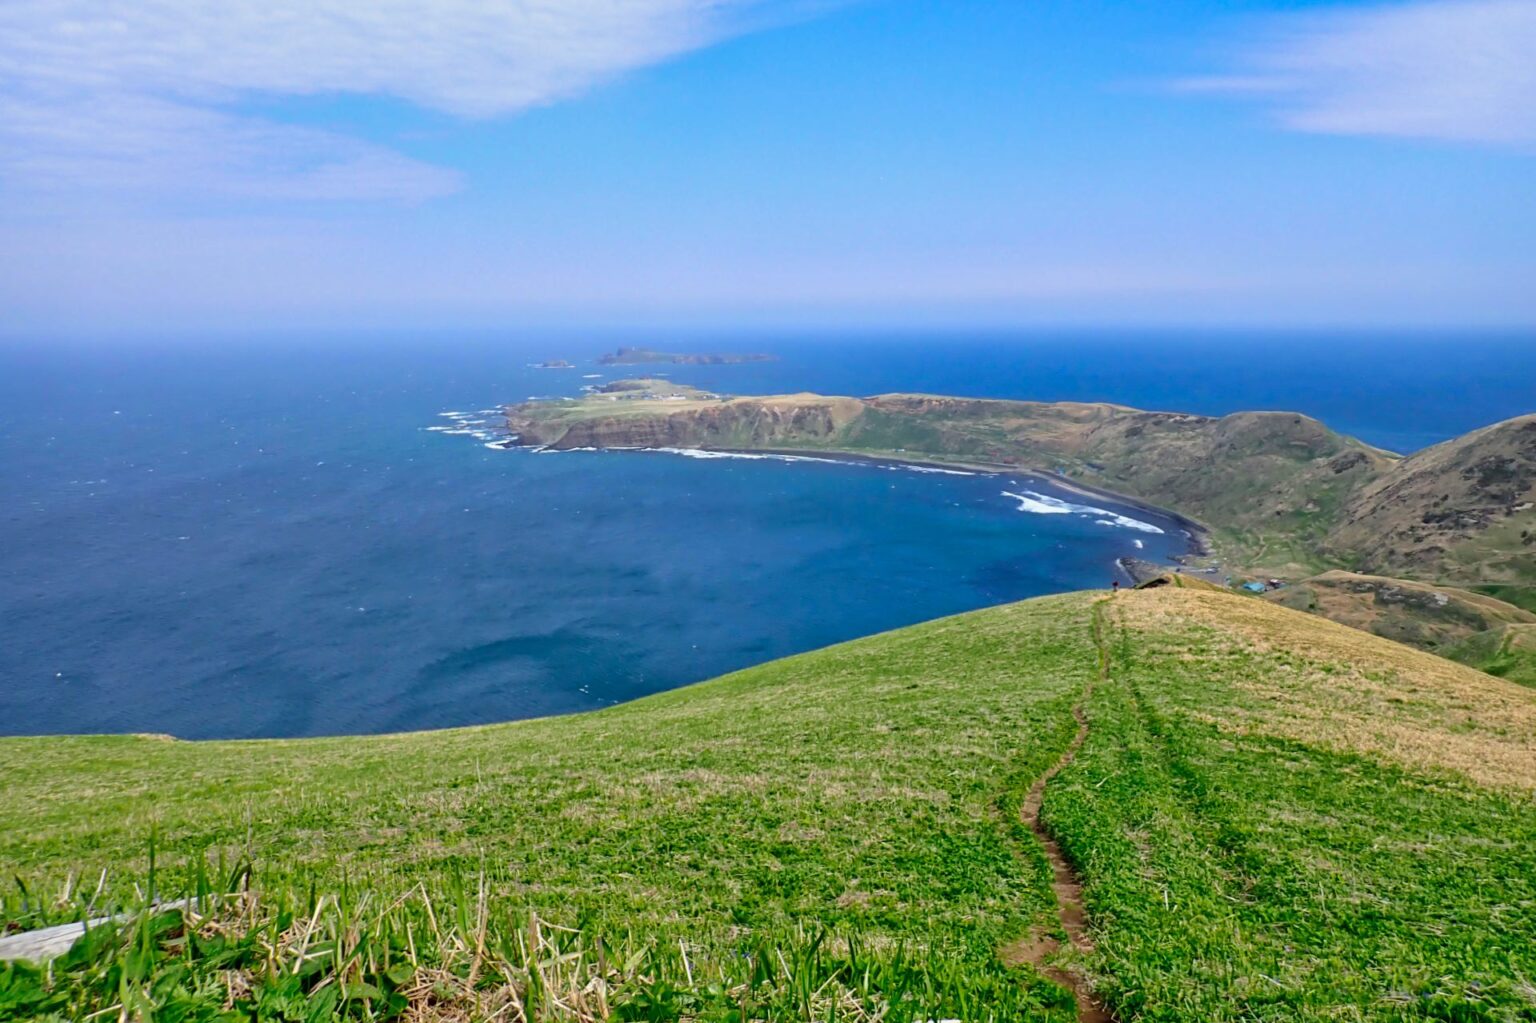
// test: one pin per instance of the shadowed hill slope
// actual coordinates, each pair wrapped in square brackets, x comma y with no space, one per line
[1508,651]
[1272,816]
[1462,510]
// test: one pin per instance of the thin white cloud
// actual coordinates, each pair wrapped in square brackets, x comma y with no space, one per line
[123,142]
[146,94]
[1460,70]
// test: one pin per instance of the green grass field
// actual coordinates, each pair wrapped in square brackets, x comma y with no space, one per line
[1520,596]
[1508,652]
[1273,817]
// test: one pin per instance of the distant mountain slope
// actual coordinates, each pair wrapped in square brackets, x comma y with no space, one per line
[1272,817]
[1463,510]
[1268,473]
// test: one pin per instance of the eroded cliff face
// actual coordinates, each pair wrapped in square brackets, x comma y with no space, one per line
[741,423]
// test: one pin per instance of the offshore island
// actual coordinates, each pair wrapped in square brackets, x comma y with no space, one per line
[631,356]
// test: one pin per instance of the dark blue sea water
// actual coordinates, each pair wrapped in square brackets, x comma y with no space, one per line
[242,537]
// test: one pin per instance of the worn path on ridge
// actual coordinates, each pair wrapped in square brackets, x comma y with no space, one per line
[1038,949]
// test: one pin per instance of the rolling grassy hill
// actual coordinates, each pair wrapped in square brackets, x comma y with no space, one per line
[1508,651]
[1437,618]
[1271,817]
[1461,510]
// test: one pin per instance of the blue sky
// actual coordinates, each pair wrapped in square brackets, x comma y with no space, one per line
[172,164]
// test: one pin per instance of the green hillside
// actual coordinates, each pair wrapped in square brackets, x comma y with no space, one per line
[1508,652]
[1272,817]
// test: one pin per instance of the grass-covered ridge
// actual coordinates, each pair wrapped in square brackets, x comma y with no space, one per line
[1274,818]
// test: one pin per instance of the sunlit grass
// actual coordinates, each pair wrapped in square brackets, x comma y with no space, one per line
[1274,817]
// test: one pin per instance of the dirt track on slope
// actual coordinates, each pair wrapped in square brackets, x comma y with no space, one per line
[1039,949]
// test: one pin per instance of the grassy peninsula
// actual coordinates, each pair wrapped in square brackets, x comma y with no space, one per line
[1275,493]
[1271,816]
[1278,490]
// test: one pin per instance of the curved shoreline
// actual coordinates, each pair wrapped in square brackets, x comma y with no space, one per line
[1199,534]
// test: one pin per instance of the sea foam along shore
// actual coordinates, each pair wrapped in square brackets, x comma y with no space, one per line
[783,456]
[1042,504]
[1196,532]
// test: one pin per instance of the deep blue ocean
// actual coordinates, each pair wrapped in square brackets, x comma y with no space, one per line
[242,537]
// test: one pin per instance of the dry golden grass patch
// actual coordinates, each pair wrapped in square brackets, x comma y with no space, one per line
[1497,609]
[1316,681]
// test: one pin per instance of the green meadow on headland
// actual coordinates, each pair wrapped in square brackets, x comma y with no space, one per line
[1271,817]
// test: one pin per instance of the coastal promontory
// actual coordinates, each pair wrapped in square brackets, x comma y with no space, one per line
[1278,493]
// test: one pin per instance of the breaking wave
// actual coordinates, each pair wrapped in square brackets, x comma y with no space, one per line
[1041,504]
[758,456]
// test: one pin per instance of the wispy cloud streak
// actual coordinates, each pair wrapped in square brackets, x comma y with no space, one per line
[148,94]
[1460,70]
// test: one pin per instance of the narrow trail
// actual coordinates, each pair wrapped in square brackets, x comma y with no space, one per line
[1038,949]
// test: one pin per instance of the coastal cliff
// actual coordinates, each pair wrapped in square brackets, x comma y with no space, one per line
[688,422]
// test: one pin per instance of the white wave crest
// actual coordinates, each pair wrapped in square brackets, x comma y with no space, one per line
[744,455]
[757,456]
[936,469]
[1039,504]
[1042,504]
